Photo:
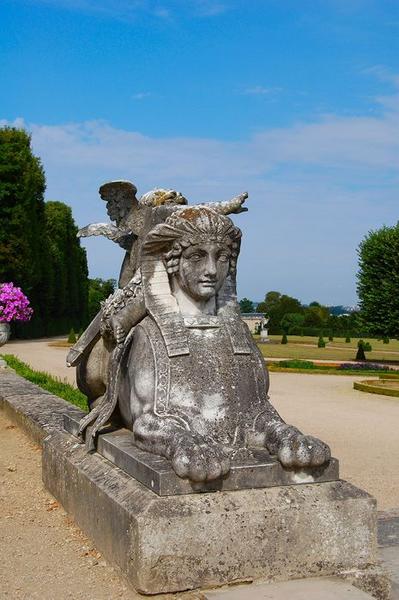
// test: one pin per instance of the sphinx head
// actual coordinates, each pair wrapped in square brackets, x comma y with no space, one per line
[199,248]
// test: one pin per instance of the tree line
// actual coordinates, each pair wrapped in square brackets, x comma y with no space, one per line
[287,315]
[39,250]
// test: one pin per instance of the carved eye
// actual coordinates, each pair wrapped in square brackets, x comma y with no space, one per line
[195,257]
[224,257]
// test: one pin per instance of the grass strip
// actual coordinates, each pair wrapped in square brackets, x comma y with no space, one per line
[327,370]
[47,382]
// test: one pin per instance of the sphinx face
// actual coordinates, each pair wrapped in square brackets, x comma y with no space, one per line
[203,269]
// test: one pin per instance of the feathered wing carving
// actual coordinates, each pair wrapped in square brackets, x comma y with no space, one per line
[119,236]
[120,198]
[228,207]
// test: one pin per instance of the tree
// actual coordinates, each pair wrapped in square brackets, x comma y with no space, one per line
[378,281]
[292,323]
[23,256]
[39,250]
[277,305]
[316,315]
[67,295]
[246,306]
[99,290]
[262,307]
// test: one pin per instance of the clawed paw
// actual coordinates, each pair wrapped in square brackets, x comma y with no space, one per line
[200,461]
[297,450]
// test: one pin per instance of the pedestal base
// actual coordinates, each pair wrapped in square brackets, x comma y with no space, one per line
[256,470]
[175,543]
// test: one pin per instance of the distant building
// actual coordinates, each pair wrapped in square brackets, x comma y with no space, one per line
[256,323]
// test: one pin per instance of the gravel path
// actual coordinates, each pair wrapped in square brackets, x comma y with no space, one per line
[43,554]
[361,429]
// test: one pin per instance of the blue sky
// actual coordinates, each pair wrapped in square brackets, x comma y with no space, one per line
[296,102]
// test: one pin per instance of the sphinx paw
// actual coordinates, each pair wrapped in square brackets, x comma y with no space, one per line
[299,450]
[200,461]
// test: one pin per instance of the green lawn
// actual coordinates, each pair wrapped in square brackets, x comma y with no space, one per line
[306,348]
[47,381]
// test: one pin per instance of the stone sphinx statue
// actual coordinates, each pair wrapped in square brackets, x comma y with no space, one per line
[186,377]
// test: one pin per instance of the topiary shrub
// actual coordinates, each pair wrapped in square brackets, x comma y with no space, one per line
[321,343]
[367,347]
[72,337]
[385,340]
[347,340]
[284,339]
[360,355]
[330,338]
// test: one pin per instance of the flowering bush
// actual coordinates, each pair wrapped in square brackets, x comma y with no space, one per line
[364,366]
[14,305]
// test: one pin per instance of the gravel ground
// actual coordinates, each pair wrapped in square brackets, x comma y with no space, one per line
[43,554]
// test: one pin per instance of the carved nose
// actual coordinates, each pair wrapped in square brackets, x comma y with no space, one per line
[210,267]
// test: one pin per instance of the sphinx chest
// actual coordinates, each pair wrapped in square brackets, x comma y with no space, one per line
[214,390]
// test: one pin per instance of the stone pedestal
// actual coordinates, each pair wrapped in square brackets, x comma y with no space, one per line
[175,543]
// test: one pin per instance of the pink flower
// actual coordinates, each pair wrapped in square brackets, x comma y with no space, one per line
[14,305]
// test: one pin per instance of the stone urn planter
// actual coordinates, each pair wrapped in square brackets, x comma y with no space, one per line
[4,333]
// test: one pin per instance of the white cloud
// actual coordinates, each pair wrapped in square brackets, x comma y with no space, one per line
[130,10]
[315,190]
[260,90]
[141,95]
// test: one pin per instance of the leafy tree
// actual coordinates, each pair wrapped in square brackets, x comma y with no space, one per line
[39,250]
[246,306]
[378,281]
[262,307]
[23,256]
[67,267]
[292,323]
[316,315]
[99,290]
[277,306]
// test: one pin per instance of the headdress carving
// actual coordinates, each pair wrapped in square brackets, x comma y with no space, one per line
[190,226]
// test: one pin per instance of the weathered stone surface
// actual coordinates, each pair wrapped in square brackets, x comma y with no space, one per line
[390,557]
[167,544]
[176,362]
[388,527]
[301,589]
[155,472]
[374,580]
